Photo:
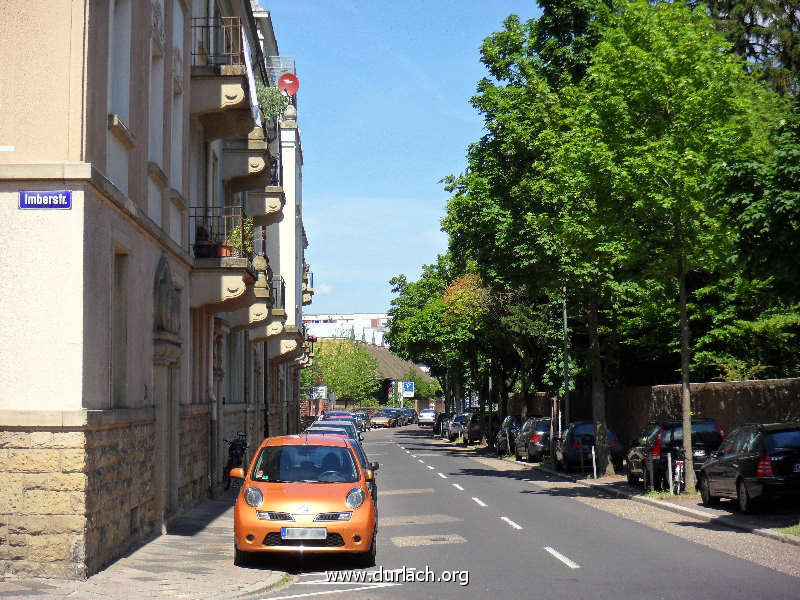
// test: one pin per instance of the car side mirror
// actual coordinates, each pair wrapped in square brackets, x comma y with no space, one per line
[369,475]
[374,466]
[360,438]
[238,473]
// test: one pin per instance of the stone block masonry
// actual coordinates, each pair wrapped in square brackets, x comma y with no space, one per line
[73,500]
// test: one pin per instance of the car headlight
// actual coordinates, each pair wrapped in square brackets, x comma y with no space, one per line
[355,497]
[253,496]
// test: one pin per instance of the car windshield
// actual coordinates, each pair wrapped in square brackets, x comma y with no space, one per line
[460,419]
[427,412]
[384,413]
[587,429]
[783,439]
[542,426]
[305,464]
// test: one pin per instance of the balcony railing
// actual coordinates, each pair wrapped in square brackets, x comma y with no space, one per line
[220,231]
[217,41]
[278,286]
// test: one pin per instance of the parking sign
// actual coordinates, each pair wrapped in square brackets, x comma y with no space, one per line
[408,389]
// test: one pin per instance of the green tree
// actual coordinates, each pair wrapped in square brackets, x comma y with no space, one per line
[348,370]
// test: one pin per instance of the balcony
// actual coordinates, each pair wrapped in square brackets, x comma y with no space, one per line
[257,314]
[274,325]
[220,89]
[266,206]
[246,162]
[223,276]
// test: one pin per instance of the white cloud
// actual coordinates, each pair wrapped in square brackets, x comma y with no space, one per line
[324,289]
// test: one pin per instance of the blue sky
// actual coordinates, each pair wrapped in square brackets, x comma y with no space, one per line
[384,115]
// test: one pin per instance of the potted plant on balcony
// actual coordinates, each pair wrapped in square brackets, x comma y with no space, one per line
[272,103]
[239,240]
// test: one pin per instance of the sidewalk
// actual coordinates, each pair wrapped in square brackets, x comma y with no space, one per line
[194,560]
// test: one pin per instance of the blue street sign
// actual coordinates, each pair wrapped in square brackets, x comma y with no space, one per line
[408,389]
[59,199]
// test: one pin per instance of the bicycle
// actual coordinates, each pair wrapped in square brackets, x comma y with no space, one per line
[678,477]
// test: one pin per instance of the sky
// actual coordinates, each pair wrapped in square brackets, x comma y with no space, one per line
[384,115]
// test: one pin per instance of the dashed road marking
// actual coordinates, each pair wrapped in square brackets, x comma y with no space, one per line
[427,540]
[442,475]
[407,491]
[562,558]
[510,522]
[420,460]
[455,485]
[430,467]
[416,520]
[478,501]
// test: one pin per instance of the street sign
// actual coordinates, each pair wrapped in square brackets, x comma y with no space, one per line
[319,392]
[408,389]
[59,199]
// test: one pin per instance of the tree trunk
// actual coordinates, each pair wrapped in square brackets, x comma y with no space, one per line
[686,397]
[604,463]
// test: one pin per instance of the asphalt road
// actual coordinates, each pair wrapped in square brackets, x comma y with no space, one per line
[454,516]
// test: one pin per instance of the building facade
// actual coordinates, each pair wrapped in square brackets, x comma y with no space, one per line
[364,327]
[149,202]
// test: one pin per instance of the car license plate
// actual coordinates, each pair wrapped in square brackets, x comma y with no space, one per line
[699,452]
[304,533]
[797,468]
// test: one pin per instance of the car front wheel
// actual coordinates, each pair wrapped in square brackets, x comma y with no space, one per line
[241,558]
[367,559]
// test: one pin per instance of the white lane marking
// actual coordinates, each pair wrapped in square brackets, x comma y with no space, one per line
[510,522]
[420,460]
[413,456]
[357,589]
[427,540]
[401,447]
[430,467]
[442,475]
[562,558]
[458,487]
[408,491]
[478,501]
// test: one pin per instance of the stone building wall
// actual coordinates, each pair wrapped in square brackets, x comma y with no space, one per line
[194,455]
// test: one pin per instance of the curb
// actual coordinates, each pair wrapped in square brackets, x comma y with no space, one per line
[683,510]
[272,580]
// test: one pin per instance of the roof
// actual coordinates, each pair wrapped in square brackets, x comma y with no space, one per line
[391,366]
[303,439]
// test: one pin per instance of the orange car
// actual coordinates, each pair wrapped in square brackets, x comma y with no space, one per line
[305,493]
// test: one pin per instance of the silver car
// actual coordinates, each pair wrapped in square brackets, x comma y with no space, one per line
[427,416]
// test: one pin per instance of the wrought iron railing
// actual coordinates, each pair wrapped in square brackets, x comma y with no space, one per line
[219,231]
[217,41]
[278,286]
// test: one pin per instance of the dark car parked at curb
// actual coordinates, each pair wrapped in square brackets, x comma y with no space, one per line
[660,438]
[533,441]
[505,439]
[472,428]
[441,419]
[756,463]
[575,450]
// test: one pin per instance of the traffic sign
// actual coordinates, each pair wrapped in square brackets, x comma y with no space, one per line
[408,389]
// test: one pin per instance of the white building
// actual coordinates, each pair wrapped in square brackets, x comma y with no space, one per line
[363,327]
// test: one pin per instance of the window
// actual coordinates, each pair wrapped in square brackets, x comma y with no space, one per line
[119,65]
[119,328]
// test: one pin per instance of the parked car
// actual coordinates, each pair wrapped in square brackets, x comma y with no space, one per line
[506,436]
[409,416]
[664,437]
[755,463]
[427,416]
[346,426]
[455,426]
[533,441]
[472,428]
[385,418]
[575,449]
[305,494]
[439,423]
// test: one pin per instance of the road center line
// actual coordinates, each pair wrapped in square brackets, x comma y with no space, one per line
[562,558]
[442,475]
[413,456]
[458,487]
[510,522]
[430,467]
[478,501]
[420,460]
